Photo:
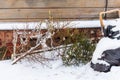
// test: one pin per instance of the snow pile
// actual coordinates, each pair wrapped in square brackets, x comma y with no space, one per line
[103,59]
[104,44]
[107,43]
[25,71]
[114,22]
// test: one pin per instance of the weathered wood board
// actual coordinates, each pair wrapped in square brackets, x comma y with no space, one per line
[50,3]
[34,10]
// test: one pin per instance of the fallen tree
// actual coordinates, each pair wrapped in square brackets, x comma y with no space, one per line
[33,51]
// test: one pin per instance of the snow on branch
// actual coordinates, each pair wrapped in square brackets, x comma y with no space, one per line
[32,42]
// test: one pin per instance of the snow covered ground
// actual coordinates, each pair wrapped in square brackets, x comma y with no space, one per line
[56,71]
[28,71]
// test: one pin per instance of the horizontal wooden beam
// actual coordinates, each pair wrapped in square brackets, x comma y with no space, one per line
[50,3]
[39,19]
[57,3]
[114,3]
[26,14]
[35,10]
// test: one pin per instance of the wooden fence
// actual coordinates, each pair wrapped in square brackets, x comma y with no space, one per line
[34,10]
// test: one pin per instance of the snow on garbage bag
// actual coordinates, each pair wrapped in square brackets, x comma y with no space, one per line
[107,52]
[112,57]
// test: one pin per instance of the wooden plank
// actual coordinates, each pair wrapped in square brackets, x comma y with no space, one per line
[39,19]
[114,3]
[50,3]
[113,15]
[76,13]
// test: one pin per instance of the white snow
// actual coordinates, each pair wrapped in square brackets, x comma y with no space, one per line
[17,25]
[107,43]
[104,44]
[27,71]
[56,71]
[73,24]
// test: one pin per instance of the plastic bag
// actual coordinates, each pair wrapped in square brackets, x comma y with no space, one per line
[111,56]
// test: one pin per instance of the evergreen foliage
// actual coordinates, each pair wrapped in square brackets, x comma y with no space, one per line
[80,52]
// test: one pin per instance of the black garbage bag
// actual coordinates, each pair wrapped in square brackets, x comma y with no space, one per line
[108,32]
[111,56]
[101,67]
